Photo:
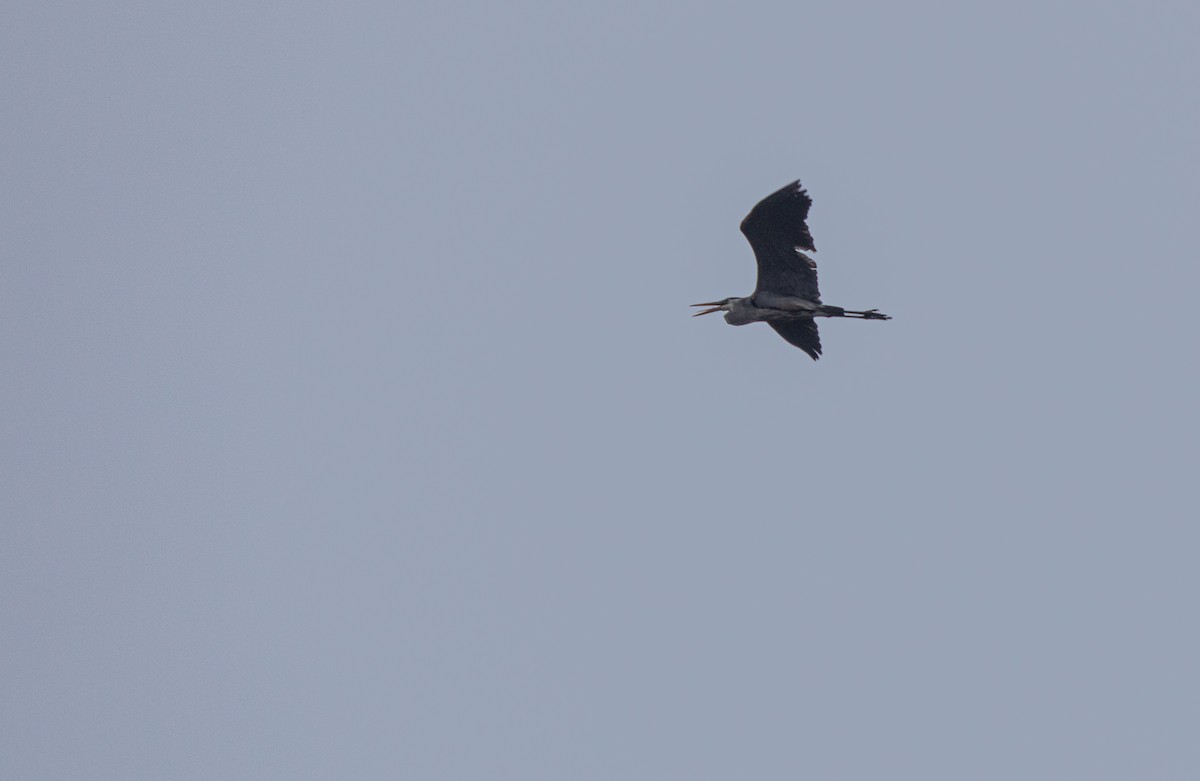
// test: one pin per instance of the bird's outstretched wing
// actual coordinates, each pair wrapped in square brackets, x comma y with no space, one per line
[777,231]
[802,333]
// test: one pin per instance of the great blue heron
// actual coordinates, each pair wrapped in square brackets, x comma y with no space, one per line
[786,296]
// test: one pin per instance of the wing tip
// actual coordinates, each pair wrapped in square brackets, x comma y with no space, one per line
[803,334]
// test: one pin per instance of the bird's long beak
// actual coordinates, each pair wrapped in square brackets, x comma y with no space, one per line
[716,307]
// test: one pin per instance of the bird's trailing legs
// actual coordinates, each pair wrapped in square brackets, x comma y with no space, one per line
[837,311]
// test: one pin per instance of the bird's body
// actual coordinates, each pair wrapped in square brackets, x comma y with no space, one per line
[786,296]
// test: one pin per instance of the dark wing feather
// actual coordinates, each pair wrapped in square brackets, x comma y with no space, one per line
[777,231]
[802,333]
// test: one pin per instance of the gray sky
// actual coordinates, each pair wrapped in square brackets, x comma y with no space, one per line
[355,426]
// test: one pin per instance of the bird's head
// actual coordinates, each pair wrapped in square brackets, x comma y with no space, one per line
[715,306]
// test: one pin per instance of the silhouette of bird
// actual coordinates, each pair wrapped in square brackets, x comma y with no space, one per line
[786,296]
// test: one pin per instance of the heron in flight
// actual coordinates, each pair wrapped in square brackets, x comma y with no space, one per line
[786,296]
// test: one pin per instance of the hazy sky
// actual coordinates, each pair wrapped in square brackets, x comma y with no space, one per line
[355,427]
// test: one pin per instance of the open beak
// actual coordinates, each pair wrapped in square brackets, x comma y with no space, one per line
[716,307]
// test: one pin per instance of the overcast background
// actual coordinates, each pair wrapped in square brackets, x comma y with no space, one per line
[354,425]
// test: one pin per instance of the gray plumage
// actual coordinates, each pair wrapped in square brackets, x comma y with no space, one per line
[786,296]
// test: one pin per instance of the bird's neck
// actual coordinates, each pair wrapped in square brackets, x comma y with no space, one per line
[740,311]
